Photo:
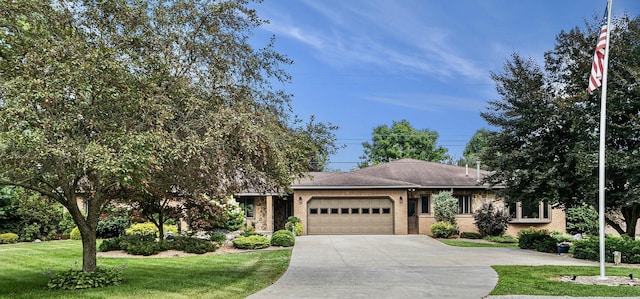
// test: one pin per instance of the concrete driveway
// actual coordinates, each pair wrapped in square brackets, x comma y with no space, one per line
[409,266]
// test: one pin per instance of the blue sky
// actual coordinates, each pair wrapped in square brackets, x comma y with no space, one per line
[363,63]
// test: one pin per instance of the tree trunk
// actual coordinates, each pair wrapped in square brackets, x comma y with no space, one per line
[89,260]
[631,215]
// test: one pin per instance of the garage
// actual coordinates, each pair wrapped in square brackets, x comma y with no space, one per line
[355,216]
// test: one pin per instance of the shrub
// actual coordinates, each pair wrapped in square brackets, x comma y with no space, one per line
[470,235]
[443,230]
[560,237]
[250,231]
[191,245]
[112,227]
[145,248]
[77,279]
[148,228]
[218,236]
[75,234]
[251,242]
[445,207]
[582,219]
[491,220]
[110,244]
[232,217]
[30,232]
[501,239]
[589,249]
[527,238]
[283,238]
[294,225]
[66,224]
[546,244]
[8,238]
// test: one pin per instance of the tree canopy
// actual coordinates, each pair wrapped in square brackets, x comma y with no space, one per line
[547,145]
[399,141]
[102,99]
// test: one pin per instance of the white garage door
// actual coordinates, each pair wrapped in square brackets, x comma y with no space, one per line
[341,216]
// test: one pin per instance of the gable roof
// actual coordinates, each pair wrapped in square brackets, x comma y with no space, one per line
[403,173]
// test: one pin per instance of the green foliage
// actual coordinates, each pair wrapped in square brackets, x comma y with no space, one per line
[501,239]
[218,236]
[232,217]
[545,145]
[283,238]
[74,279]
[443,230]
[75,234]
[491,220]
[529,238]
[294,225]
[546,244]
[191,245]
[149,229]
[9,218]
[470,235]
[147,245]
[476,147]
[251,242]
[112,227]
[399,141]
[445,207]
[8,238]
[560,237]
[89,94]
[582,219]
[66,224]
[589,249]
[30,232]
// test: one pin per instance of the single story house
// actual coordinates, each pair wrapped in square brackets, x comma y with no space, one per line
[388,198]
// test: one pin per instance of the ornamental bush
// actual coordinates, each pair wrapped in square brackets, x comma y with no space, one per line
[582,220]
[294,225]
[251,242]
[148,228]
[283,238]
[112,227]
[8,238]
[75,234]
[218,236]
[538,239]
[501,239]
[445,207]
[190,245]
[491,220]
[443,230]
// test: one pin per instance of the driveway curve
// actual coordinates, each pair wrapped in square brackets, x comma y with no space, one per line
[407,266]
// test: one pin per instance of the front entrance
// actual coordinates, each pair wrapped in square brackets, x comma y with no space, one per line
[282,209]
[412,216]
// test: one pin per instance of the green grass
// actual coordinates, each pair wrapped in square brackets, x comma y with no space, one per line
[460,243]
[213,276]
[539,280]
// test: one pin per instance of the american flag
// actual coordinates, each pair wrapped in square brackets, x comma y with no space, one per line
[595,80]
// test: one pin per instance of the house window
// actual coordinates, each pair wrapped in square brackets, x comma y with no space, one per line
[334,210]
[313,211]
[247,206]
[424,204]
[345,210]
[464,204]
[529,212]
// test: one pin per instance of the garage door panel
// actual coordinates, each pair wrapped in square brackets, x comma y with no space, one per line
[350,216]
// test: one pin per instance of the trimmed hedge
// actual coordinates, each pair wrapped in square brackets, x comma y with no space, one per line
[251,242]
[148,228]
[283,238]
[146,245]
[443,230]
[8,238]
[589,249]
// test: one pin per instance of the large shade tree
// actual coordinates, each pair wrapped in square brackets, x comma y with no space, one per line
[547,145]
[102,100]
[401,140]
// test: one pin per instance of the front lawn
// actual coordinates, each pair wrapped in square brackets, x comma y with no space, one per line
[539,280]
[212,276]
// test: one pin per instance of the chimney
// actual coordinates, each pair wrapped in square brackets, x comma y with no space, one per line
[466,172]
[478,170]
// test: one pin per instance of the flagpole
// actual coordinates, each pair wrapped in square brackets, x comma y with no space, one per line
[603,127]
